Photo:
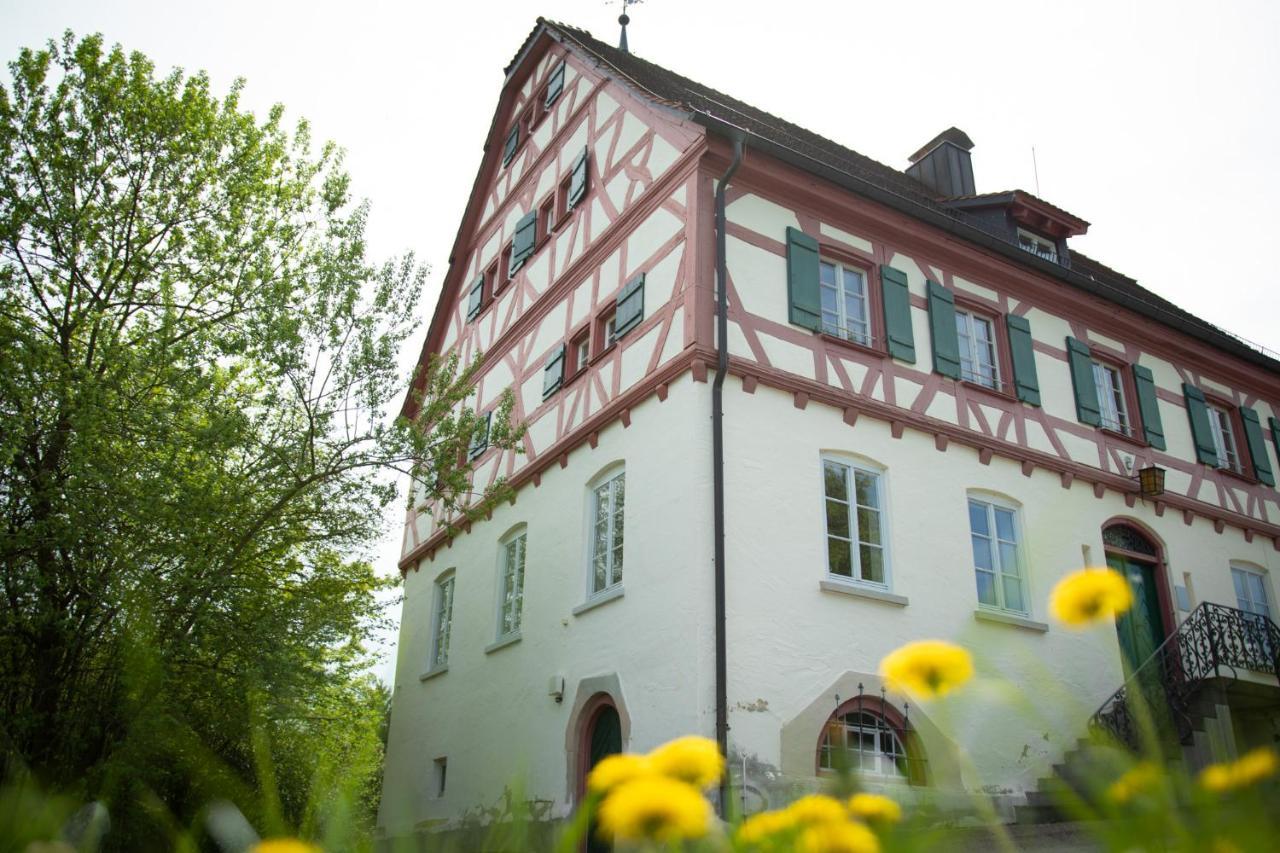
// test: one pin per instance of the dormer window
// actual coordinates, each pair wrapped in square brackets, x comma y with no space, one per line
[1037,245]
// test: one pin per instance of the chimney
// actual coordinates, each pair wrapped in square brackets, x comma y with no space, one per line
[943,164]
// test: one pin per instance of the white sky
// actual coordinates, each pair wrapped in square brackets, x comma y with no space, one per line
[1158,122]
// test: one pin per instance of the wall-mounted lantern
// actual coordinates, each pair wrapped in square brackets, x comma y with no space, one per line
[1151,481]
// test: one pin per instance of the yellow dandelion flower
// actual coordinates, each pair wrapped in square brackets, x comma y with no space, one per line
[815,809]
[846,837]
[875,808]
[695,760]
[283,845]
[616,769]
[1223,845]
[1250,769]
[1141,777]
[654,808]
[765,825]
[927,668]
[1090,595]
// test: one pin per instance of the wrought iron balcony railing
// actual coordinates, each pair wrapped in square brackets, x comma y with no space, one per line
[1213,642]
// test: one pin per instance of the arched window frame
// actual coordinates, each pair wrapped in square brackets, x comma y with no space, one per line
[895,723]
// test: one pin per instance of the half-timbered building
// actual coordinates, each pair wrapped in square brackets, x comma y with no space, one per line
[931,409]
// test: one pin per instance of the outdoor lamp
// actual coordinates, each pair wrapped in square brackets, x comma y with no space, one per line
[1151,481]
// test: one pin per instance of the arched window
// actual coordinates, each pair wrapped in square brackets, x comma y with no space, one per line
[869,737]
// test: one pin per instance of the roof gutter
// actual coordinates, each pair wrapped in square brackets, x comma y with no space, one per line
[717,464]
[979,237]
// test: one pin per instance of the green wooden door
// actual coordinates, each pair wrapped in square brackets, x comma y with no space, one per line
[1141,628]
[606,740]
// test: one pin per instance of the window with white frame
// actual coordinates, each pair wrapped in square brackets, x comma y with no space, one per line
[844,302]
[978,361]
[1037,245]
[853,499]
[607,501]
[1251,591]
[863,742]
[1115,415]
[511,584]
[1224,438]
[997,555]
[443,622]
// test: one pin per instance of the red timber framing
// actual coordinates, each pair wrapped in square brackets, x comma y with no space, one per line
[991,424]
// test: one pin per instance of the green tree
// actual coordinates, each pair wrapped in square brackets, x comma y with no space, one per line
[199,363]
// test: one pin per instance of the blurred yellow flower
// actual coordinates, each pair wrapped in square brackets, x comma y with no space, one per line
[1141,777]
[654,808]
[765,825]
[283,845]
[874,808]
[696,760]
[1088,596]
[1223,845]
[817,808]
[927,668]
[1250,769]
[616,769]
[846,837]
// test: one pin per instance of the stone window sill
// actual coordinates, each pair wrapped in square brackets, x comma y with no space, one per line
[983,615]
[502,642]
[433,672]
[613,593]
[859,591]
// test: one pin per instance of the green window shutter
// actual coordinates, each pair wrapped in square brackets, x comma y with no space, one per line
[896,303]
[1081,363]
[522,244]
[1201,432]
[513,142]
[480,438]
[629,309]
[802,279]
[1257,446]
[553,373]
[475,299]
[578,175]
[1023,356]
[555,85]
[942,326]
[1275,434]
[1152,428]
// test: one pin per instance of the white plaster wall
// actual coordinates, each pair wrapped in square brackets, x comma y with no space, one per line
[490,714]
[789,640]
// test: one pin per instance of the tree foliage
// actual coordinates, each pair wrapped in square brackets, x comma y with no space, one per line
[194,443]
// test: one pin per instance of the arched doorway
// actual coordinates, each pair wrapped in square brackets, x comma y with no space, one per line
[601,737]
[1136,556]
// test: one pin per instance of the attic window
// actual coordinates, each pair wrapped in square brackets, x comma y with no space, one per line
[1037,245]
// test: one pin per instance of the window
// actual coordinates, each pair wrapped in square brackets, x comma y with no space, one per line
[996,559]
[863,742]
[608,331]
[442,772]
[504,267]
[1224,439]
[855,522]
[1111,404]
[1251,591]
[492,283]
[1251,597]
[511,586]
[580,352]
[1037,245]
[843,291]
[546,219]
[607,501]
[443,622]
[978,361]
[480,437]
[562,198]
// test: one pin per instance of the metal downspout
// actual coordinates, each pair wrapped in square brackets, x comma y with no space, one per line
[717,465]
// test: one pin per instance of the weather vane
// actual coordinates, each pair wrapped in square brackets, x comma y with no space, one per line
[625,19]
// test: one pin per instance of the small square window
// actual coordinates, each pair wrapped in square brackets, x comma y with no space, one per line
[546,219]
[579,354]
[562,198]
[504,267]
[608,331]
